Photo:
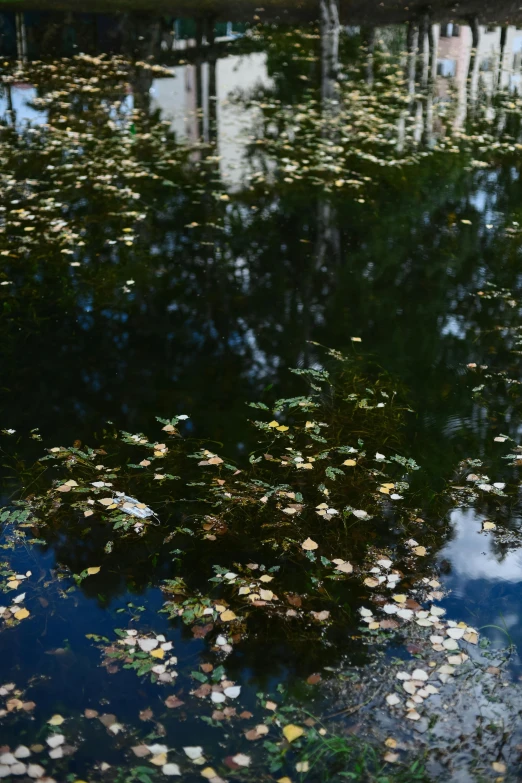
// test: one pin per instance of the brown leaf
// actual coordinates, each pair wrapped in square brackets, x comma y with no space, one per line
[107,720]
[294,600]
[313,679]
[172,702]
[140,751]
[246,715]
[203,691]
[91,713]
[388,624]
[146,714]
[200,631]
[411,604]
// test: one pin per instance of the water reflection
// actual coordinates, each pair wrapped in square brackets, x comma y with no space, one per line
[173,237]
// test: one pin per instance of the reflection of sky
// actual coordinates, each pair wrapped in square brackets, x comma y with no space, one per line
[22,97]
[484,584]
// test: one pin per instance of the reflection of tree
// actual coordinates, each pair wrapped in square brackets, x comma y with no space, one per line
[224,304]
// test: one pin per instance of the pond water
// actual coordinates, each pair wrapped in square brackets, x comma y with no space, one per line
[189,208]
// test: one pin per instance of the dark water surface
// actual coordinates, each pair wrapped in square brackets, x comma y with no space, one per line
[187,206]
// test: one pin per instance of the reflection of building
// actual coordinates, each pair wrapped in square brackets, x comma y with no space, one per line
[198,95]
[494,64]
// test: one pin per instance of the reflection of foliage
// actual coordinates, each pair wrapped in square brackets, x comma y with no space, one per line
[372,123]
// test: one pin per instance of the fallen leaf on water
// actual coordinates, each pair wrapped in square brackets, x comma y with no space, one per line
[56,720]
[171,769]
[292,732]
[194,752]
[227,616]
[241,760]
[390,743]
[147,645]
[21,614]
[158,653]
[489,526]
[140,751]
[349,463]
[172,702]
[308,544]
[346,568]
[371,582]
[324,615]
[420,551]
[499,766]
[93,570]
[160,760]
[55,740]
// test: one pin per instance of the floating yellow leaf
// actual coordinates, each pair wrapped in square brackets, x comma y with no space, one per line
[371,582]
[292,732]
[349,463]
[227,616]
[106,501]
[160,760]
[273,423]
[309,544]
[208,773]
[21,614]
[56,720]
[420,550]
[489,526]
[93,570]
[282,428]
[401,599]
[384,490]
[158,653]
